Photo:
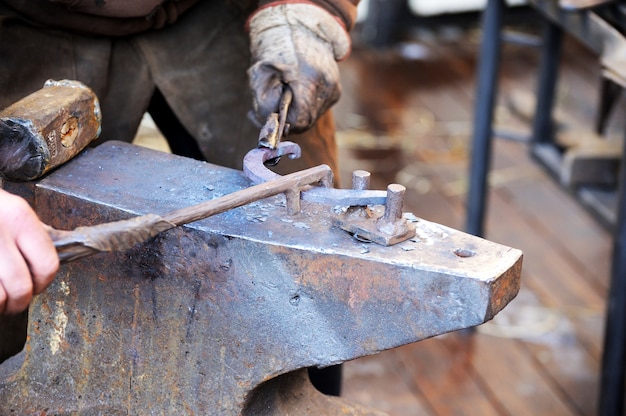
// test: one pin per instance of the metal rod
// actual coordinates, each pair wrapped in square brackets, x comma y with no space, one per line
[486,91]
[277,186]
[121,235]
[285,102]
[614,351]
[543,125]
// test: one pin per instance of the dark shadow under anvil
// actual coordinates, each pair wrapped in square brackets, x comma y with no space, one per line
[218,317]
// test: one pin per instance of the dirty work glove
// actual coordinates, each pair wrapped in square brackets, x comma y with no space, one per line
[297,45]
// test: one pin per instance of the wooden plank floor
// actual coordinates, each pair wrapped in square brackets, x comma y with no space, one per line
[409,121]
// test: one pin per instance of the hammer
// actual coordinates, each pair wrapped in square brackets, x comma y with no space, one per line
[47,128]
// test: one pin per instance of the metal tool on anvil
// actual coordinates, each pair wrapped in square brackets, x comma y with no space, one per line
[122,235]
[222,316]
[276,126]
[387,228]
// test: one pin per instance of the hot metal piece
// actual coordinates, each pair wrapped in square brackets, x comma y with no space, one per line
[285,102]
[392,223]
[391,228]
[268,136]
[254,168]
[276,125]
[360,182]
[254,161]
[218,316]
[388,228]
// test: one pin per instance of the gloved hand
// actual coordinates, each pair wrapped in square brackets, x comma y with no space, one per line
[297,45]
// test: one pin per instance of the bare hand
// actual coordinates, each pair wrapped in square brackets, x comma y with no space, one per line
[28,259]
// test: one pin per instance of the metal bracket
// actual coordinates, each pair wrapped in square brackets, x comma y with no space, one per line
[386,228]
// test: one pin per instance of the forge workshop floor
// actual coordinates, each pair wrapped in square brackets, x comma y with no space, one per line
[406,116]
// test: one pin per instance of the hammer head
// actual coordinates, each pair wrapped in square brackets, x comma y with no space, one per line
[47,128]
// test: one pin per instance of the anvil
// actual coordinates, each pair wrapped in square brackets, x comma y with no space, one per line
[221,316]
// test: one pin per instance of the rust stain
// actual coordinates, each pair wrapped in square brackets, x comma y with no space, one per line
[353,282]
[504,289]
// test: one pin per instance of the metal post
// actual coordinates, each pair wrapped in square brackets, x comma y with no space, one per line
[486,90]
[614,352]
[543,128]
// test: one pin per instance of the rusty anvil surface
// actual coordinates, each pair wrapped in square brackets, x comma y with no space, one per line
[201,318]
